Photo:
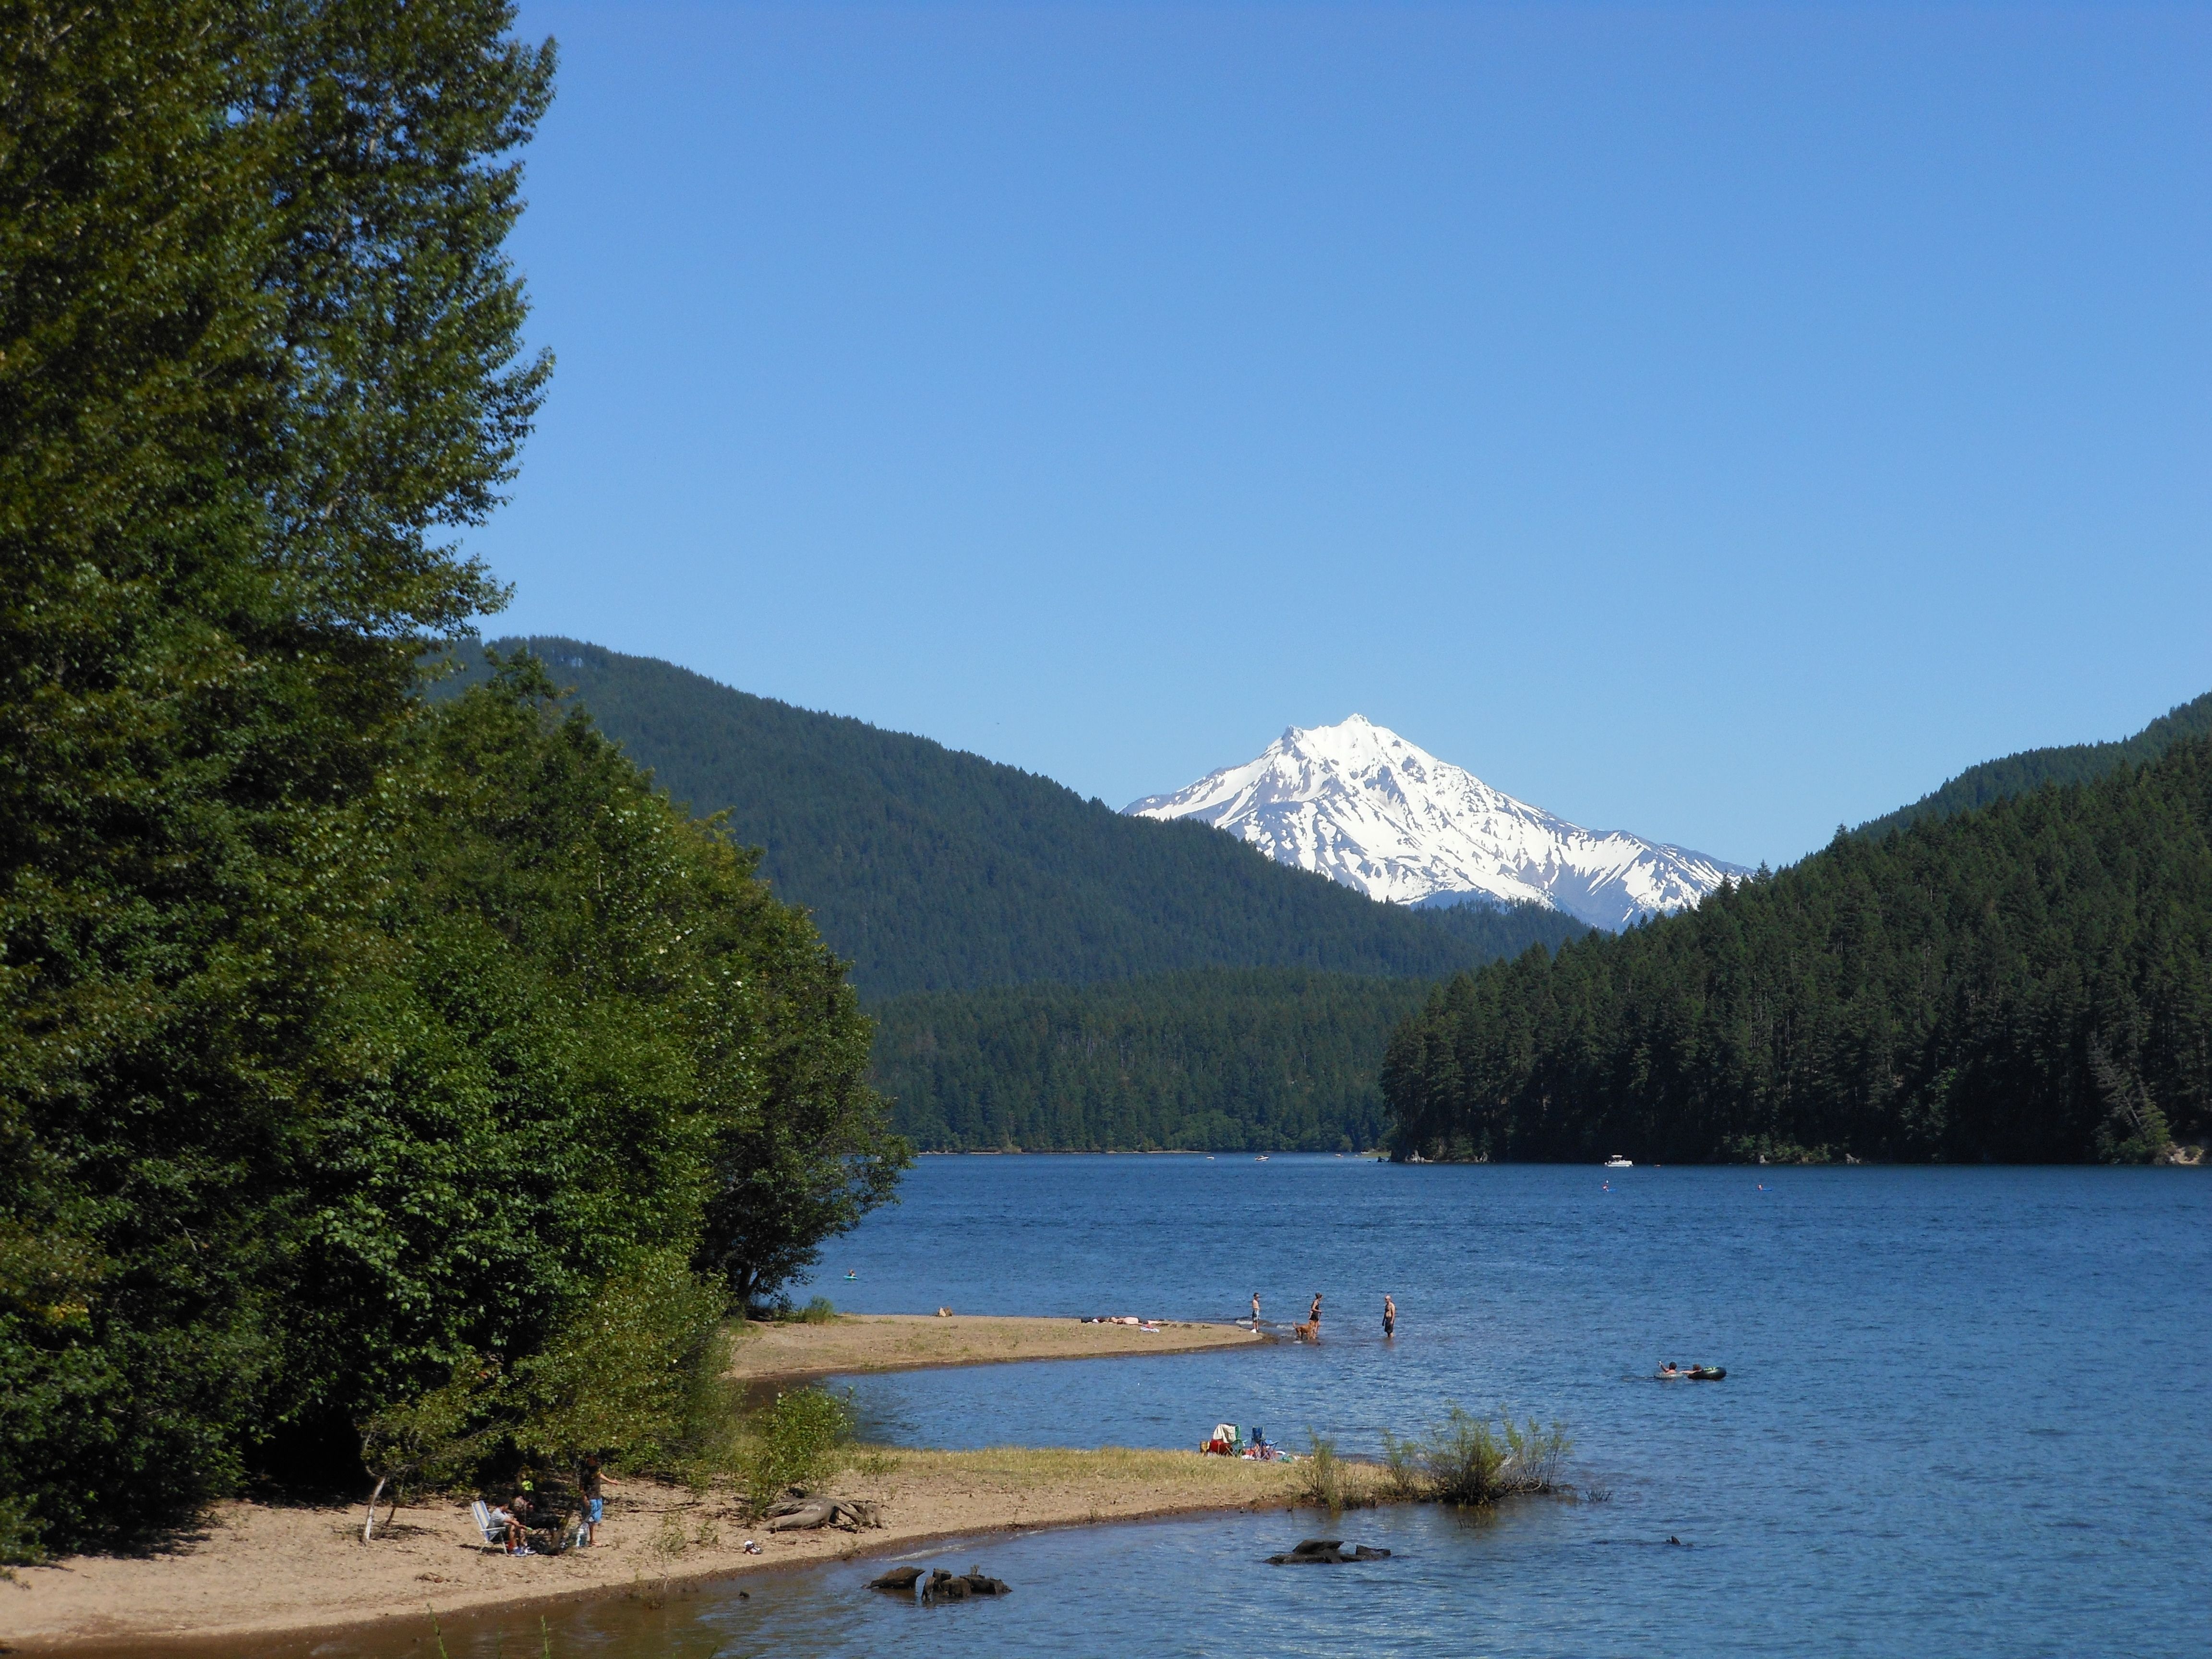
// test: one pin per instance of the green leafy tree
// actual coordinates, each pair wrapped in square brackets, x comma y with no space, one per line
[343,1038]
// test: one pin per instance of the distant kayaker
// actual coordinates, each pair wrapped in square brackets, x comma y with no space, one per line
[1389,1317]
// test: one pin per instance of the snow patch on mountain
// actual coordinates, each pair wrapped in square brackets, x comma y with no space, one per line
[1358,803]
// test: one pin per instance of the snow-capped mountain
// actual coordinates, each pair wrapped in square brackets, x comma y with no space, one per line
[1358,803]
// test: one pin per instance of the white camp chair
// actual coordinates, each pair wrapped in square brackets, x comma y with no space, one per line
[494,1533]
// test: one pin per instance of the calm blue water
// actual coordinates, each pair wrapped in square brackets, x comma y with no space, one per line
[1962,1415]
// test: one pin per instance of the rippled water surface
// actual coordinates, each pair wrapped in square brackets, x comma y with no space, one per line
[1963,1414]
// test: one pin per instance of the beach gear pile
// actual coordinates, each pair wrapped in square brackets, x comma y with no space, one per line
[1228,1441]
[1152,1324]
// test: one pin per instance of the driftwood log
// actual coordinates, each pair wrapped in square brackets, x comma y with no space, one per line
[1324,1551]
[806,1514]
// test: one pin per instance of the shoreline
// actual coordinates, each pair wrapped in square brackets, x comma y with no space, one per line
[267,1573]
[277,1572]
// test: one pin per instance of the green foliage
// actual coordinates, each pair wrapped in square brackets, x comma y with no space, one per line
[1242,1059]
[1321,1479]
[1403,1474]
[818,1311]
[2031,768]
[937,871]
[1469,1460]
[19,1536]
[2029,983]
[342,1038]
[633,1371]
[258,345]
[797,1441]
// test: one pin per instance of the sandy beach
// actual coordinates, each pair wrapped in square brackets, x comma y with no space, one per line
[258,1570]
[889,1342]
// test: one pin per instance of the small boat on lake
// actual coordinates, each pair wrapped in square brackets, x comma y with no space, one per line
[1617,1162]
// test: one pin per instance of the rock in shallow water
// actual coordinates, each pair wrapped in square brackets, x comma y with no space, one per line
[1324,1551]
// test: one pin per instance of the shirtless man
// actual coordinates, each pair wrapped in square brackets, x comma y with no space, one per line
[1255,1310]
[1390,1315]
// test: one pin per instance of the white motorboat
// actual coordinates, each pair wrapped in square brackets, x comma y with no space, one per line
[1617,1162]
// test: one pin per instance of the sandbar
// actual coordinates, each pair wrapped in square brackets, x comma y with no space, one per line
[854,1343]
[266,1570]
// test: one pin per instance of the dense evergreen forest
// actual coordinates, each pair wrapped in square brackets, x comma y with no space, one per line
[2028,982]
[932,870]
[373,1070]
[2081,763]
[1222,1059]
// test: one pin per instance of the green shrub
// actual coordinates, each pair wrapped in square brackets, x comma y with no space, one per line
[798,1441]
[1402,1473]
[19,1536]
[1471,1460]
[818,1311]
[1533,1454]
[1462,1456]
[635,1372]
[1323,1485]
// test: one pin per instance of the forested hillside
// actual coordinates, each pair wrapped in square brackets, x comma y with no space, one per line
[1251,1058]
[2028,982]
[2081,763]
[933,870]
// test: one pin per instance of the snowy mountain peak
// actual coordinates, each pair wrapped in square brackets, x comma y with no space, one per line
[1359,803]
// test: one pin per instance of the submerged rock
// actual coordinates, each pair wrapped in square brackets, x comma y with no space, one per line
[898,1578]
[1324,1551]
[944,1586]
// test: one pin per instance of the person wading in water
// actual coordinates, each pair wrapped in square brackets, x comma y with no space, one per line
[1389,1317]
[1313,1314]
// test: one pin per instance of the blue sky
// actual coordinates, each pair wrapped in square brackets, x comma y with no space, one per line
[1713,421]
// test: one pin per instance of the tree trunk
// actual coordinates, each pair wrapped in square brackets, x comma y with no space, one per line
[368,1521]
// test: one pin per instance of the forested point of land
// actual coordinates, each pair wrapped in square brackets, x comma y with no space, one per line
[2029,982]
[2081,763]
[385,1083]
[1217,1059]
[933,870]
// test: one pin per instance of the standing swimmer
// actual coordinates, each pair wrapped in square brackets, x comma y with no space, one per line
[1313,1314]
[1255,1310]
[1389,1317]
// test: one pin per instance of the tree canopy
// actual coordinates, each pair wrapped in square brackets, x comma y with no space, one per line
[343,1038]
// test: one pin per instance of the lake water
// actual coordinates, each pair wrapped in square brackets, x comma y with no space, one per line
[1963,1414]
